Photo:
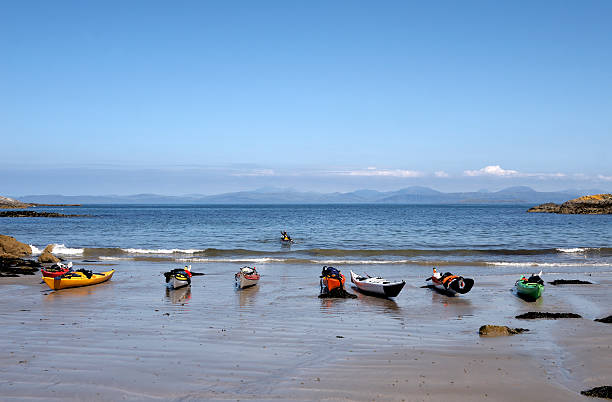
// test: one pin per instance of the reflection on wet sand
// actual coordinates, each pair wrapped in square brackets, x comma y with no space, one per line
[179,296]
[384,304]
[457,305]
[83,291]
[247,296]
[528,299]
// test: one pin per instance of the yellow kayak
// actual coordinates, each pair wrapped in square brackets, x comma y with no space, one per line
[76,279]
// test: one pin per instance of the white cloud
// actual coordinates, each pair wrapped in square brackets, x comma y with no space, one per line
[602,177]
[382,173]
[492,171]
[441,173]
[256,172]
[497,171]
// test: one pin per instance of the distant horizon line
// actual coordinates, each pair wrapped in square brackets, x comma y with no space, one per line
[280,190]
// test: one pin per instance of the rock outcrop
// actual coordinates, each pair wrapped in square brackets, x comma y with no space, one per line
[46,255]
[11,248]
[11,263]
[6,202]
[499,330]
[589,204]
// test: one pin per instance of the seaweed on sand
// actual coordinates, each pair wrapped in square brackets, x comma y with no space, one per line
[532,315]
[599,392]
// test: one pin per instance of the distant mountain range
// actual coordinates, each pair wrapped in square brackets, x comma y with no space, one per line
[409,195]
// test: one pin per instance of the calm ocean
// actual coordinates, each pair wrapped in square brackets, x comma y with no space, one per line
[486,235]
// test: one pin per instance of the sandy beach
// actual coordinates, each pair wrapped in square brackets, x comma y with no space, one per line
[131,339]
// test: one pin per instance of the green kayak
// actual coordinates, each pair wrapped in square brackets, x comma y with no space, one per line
[528,289]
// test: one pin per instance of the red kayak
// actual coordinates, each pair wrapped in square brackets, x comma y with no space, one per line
[56,270]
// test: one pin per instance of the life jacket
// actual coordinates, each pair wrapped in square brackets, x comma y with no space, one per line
[332,278]
[447,279]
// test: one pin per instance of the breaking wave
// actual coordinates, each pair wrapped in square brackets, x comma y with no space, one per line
[61,249]
[549,257]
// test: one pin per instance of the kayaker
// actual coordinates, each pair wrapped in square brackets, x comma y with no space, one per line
[285,236]
[188,270]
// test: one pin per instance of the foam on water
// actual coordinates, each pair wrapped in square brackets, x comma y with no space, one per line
[573,250]
[160,251]
[550,264]
[35,250]
[61,249]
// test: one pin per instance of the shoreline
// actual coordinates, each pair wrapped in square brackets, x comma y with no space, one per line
[130,338]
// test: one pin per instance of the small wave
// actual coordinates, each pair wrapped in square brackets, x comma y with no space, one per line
[263,260]
[35,250]
[575,250]
[160,251]
[63,250]
[271,260]
[550,264]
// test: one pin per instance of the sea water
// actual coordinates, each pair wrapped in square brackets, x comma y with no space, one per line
[430,235]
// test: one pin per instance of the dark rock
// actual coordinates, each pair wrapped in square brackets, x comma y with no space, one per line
[599,392]
[499,330]
[549,207]
[33,214]
[589,204]
[607,320]
[569,282]
[532,315]
[17,266]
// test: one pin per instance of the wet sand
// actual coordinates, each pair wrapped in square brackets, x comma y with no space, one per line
[131,339]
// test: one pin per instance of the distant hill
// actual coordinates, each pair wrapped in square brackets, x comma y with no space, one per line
[409,195]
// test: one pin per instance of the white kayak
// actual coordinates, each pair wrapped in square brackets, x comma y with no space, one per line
[246,277]
[377,285]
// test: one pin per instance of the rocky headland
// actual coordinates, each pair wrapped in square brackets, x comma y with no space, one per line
[6,203]
[589,204]
[10,203]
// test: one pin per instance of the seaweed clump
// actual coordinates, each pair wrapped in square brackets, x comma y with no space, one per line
[607,320]
[18,266]
[599,392]
[532,315]
[569,282]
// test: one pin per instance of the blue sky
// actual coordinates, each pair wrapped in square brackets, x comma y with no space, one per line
[206,97]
